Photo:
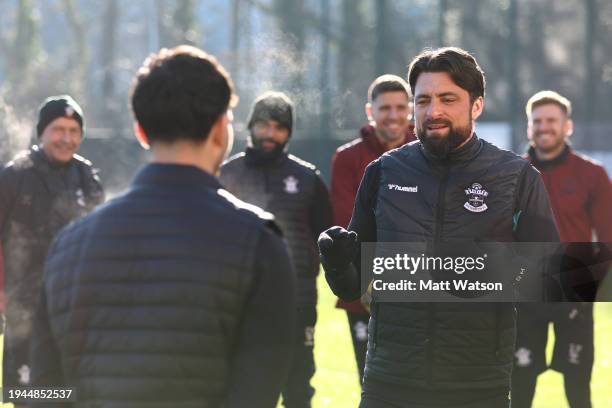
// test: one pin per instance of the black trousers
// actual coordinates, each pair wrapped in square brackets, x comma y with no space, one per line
[573,351]
[358,324]
[297,392]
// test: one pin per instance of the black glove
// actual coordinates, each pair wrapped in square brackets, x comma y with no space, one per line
[337,248]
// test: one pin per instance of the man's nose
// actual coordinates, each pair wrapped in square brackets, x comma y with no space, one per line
[434,109]
[66,136]
[540,128]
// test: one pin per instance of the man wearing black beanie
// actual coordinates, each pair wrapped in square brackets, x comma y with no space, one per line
[41,191]
[291,189]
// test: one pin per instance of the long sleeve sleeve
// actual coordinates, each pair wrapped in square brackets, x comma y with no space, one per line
[346,282]
[536,225]
[263,349]
[9,188]
[343,188]
[321,215]
[601,218]
[600,205]
[536,222]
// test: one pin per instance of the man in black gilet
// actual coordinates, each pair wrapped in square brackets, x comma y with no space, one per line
[448,187]
[291,189]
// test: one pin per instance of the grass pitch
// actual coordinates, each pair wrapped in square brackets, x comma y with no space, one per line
[336,380]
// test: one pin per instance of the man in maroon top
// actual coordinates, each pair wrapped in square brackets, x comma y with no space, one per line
[581,197]
[389,112]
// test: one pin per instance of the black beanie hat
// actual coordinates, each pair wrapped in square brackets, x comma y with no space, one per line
[272,106]
[60,106]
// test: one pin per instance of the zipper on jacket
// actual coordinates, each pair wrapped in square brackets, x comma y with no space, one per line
[266,180]
[431,308]
[439,219]
[429,343]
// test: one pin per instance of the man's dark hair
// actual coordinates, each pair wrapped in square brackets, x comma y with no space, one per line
[180,93]
[387,83]
[459,64]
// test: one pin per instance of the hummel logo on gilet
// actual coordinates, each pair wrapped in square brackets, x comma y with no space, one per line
[408,189]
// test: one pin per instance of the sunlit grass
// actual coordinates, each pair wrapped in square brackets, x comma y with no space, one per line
[336,379]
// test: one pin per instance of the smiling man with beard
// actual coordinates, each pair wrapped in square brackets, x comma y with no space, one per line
[440,354]
[291,189]
[581,197]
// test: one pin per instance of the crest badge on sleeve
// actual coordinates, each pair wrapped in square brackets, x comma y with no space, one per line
[476,196]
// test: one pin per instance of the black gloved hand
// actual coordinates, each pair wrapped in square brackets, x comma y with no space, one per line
[337,247]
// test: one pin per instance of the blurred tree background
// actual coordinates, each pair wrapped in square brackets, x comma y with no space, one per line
[324,53]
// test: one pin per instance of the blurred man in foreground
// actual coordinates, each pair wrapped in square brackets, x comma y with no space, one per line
[170,294]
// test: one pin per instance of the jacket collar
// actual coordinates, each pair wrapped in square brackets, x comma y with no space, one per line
[174,175]
[258,158]
[368,135]
[465,153]
[42,163]
[543,164]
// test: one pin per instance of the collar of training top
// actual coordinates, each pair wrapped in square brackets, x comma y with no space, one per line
[368,135]
[43,163]
[465,153]
[261,158]
[542,164]
[174,174]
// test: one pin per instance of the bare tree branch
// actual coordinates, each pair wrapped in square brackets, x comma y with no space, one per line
[78,30]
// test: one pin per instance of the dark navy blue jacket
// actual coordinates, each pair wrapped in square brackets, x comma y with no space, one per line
[169,295]
[294,192]
[479,193]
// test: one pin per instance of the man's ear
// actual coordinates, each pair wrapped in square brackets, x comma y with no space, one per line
[568,127]
[218,131]
[141,136]
[529,129]
[368,111]
[477,107]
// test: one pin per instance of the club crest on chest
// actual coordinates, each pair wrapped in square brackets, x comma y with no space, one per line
[476,196]
[291,185]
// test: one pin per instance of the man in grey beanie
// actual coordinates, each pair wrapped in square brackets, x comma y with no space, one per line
[291,189]
[41,191]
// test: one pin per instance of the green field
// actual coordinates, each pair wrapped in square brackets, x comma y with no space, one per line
[336,378]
